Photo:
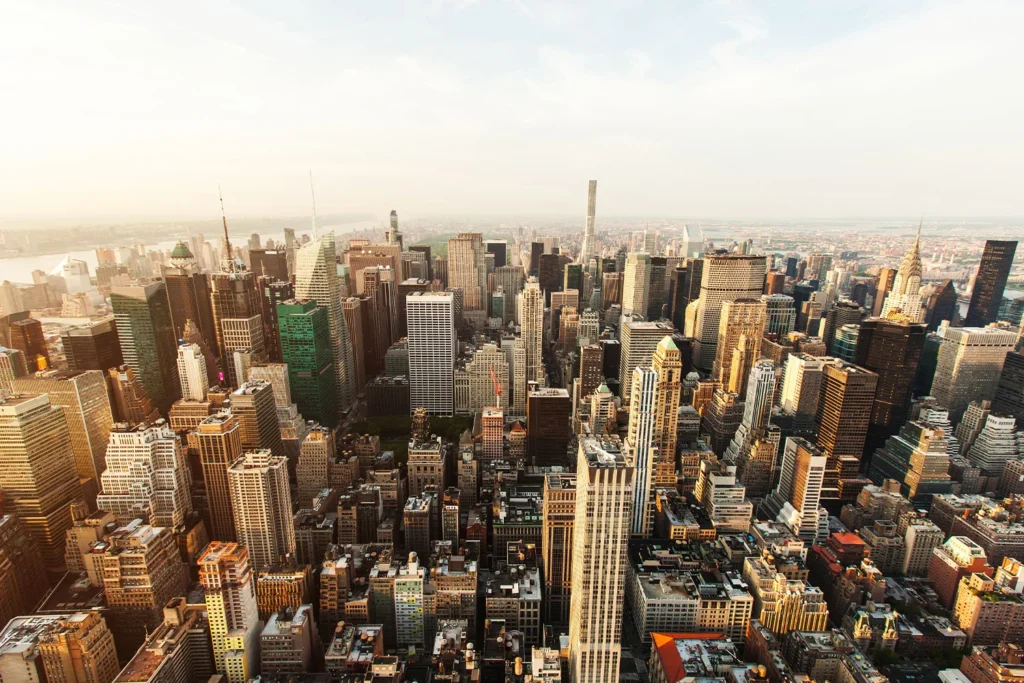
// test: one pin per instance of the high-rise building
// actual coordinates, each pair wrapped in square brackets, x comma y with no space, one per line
[12,366]
[782,603]
[467,269]
[997,443]
[188,294]
[235,297]
[589,246]
[724,498]
[272,294]
[780,314]
[316,278]
[244,345]
[192,372]
[604,500]
[891,348]
[178,651]
[636,288]
[410,610]
[904,299]
[531,320]
[668,363]
[519,378]
[76,647]
[254,405]
[93,346]
[271,263]
[548,411]
[639,341]
[307,351]
[969,365]
[956,558]
[918,458]
[842,420]
[262,505]
[312,471]
[23,580]
[86,404]
[141,571]
[37,471]
[990,282]
[795,501]
[1009,394]
[740,332]
[640,442]
[842,313]
[229,584]
[220,444]
[432,345]
[289,642]
[724,278]
[558,513]
[146,333]
[147,476]
[886,278]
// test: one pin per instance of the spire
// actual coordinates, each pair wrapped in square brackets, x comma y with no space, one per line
[313,195]
[227,241]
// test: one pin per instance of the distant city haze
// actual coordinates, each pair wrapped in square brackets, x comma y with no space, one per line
[730,109]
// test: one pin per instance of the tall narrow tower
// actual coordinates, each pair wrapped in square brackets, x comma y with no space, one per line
[641,441]
[905,296]
[588,249]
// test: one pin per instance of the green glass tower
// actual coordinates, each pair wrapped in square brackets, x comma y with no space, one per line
[146,332]
[306,348]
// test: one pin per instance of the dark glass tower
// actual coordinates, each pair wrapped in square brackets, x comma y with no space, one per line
[990,283]
[144,327]
[1009,398]
[306,348]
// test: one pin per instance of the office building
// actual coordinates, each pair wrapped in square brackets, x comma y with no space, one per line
[796,499]
[254,405]
[76,647]
[991,610]
[780,314]
[639,341]
[636,289]
[740,332]
[86,404]
[589,246]
[12,366]
[272,294]
[955,559]
[842,313]
[188,294]
[891,348]
[130,402]
[141,572]
[262,506]
[93,346]
[467,269]
[312,471]
[432,345]
[531,320]
[904,299]
[290,642]
[1009,394]
[724,278]
[316,278]
[604,499]
[723,497]
[220,444]
[969,365]
[558,514]
[178,651]
[37,471]
[23,580]
[228,582]
[192,372]
[784,603]
[842,420]
[640,442]
[548,411]
[918,458]
[147,476]
[997,443]
[148,344]
[990,282]
[307,350]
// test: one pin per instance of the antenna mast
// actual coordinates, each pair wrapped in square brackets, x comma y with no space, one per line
[227,241]
[313,195]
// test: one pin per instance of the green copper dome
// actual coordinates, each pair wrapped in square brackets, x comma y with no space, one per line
[181,250]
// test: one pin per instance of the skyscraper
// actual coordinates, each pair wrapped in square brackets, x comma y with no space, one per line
[254,405]
[740,332]
[188,295]
[432,344]
[37,471]
[12,365]
[724,278]
[668,363]
[316,278]
[531,320]
[229,584]
[796,499]
[604,508]
[990,282]
[146,333]
[842,419]
[262,505]
[1009,394]
[307,350]
[93,346]
[636,284]
[639,341]
[83,395]
[640,442]
[548,410]
[220,445]
[886,278]
[780,313]
[891,348]
[905,296]
[467,269]
[192,372]
[589,246]
[558,513]
[147,476]
[969,365]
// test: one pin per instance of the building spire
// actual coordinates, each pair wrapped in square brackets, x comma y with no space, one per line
[228,259]
[313,195]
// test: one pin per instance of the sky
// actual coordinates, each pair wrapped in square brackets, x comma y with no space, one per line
[679,108]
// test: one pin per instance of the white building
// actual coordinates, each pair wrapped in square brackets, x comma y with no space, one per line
[725,278]
[640,441]
[432,345]
[531,320]
[192,372]
[262,505]
[636,288]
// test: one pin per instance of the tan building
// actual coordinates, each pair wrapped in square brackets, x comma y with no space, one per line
[991,610]
[37,471]
[313,468]
[229,585]
[219,440]
[178,651]
[467,269]
[784,604]
[262,504]
[668,363]
[969,364]
[740,331]
[531,321]
[725,278]
[83,395]
[639,341]
[76,647]
[636,290]
[286,584]
[844,413]
[604,500]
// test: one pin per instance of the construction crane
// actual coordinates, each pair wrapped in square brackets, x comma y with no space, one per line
[497,385]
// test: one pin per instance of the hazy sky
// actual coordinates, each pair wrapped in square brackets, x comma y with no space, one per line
[791,108]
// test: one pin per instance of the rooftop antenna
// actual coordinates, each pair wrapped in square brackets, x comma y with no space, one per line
[313,195]
[227,241]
